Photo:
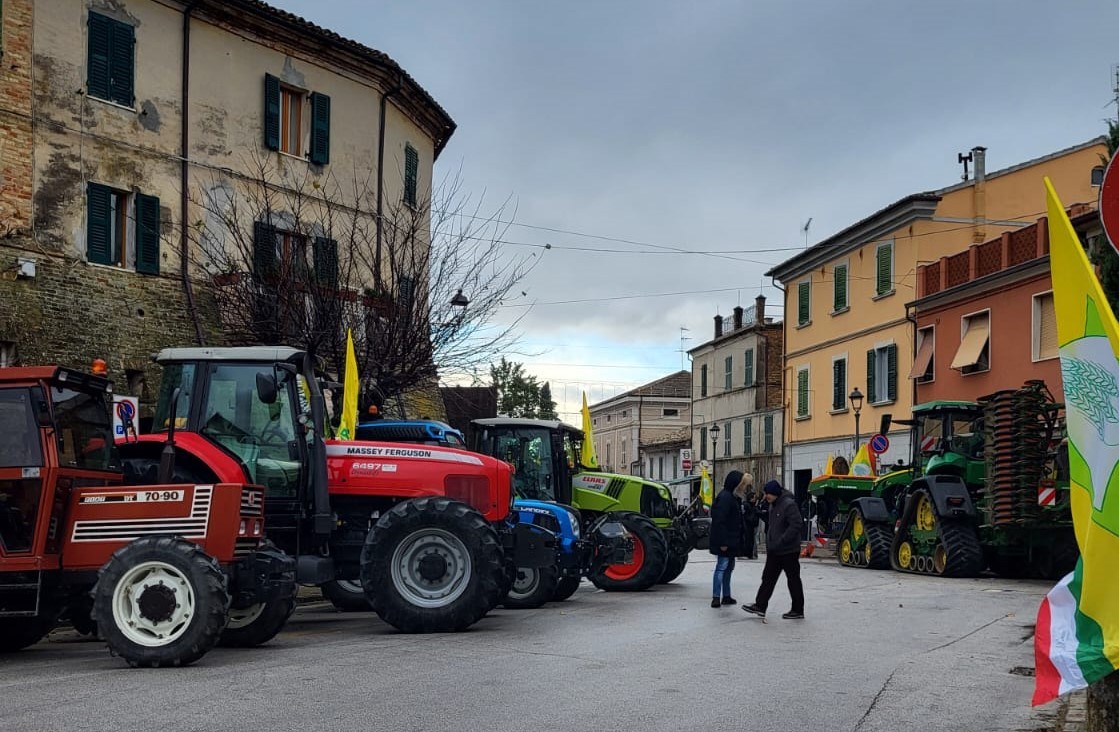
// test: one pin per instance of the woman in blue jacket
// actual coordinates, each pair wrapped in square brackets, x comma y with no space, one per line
[726,534]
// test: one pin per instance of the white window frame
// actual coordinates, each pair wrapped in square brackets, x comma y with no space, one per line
[881,351]
[806,368]
[846,380]
[931,329]
[964,320]
[1035,328]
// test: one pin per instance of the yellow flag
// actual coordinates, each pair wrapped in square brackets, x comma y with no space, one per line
[1077,636]
[828,468]
[348,427]
[862,464]
[588,458]
[706,488]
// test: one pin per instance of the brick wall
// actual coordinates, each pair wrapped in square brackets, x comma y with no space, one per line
[15,118]
[774,368]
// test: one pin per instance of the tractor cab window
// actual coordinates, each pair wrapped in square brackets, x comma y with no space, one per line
[20,448]
[179,375]
[529,451]
[84,430]
[967,435]
[262,436]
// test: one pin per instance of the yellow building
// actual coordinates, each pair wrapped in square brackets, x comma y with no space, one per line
[846,322]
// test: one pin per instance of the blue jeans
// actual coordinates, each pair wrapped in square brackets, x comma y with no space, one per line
[720,583]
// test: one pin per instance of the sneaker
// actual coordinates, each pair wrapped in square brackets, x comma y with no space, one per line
[729,601]
[715,602]
[754,610]
[793,616]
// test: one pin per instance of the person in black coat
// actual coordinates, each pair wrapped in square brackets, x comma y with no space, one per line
[750,519]
[726,535]
[782,552]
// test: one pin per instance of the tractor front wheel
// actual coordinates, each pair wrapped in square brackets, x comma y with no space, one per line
[650,557]
[161,601]
[259,623]
[432,565]
[674,568]
[531,588]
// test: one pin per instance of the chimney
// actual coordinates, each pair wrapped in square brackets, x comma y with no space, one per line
[718,325]
[737,317]
[979,156]
[759,309]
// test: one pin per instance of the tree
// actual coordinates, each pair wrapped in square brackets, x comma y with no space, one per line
[296,256]
[519,394]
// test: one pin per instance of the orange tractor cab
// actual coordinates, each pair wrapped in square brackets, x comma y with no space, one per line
[165,568]
[422,534]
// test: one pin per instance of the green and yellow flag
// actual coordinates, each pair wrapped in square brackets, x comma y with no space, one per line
[347,429]
[706,487]
[588,458]
[1077,638]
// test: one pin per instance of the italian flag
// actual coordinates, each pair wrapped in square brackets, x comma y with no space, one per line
[1077,637]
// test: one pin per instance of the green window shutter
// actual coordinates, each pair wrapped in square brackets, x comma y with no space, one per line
[98,247]
[839,275]
[803,313]
[747,437]
[871,393]
[122,64]
[728,378]
[839,385]
[264,250]
[320,129]
[802,393]
[768,433]
[147,234]
[892,375]
[326,261]
[99,51]
[885,273]
[271,112]
[702,443]
[411,174]
[748,360]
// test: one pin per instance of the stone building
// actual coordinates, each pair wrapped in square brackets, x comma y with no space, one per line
[119,118]
[624,424]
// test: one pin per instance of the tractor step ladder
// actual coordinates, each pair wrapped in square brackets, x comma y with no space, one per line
[19,594]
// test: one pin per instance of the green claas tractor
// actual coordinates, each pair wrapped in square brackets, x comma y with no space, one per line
[545,457]
[987,487]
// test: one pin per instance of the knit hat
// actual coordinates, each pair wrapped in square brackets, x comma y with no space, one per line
[773,487]
[732,480]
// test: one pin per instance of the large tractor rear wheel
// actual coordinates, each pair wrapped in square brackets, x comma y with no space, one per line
[432,565]
[161,601]
[532,588]
[19,633]
[346,595]
[673,568]
[650,557]
[566,587]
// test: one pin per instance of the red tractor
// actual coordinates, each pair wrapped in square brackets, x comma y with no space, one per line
[420,534]
[166,569]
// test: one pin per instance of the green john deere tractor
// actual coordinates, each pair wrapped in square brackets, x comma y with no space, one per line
[545,457]
[987,487]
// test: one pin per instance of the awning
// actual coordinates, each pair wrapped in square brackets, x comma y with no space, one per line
[974,340]
[924,358]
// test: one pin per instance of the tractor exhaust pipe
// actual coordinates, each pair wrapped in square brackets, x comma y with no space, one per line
[167,457]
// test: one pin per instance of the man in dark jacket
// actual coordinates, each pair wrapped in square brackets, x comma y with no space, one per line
[782,542]
[726,536]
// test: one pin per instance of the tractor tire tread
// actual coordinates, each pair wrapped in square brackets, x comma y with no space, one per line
[656,556]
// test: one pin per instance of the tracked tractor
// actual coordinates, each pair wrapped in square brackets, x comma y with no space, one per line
[165,568]
[605,543]
[418,533]
[987,487]
[545,456]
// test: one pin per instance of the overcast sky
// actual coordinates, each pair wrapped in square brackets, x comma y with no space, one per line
[720,126]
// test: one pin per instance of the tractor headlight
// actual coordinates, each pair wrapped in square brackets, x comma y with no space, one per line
[576,530]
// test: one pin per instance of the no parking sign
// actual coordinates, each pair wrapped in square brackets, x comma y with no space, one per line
[124,415]
[879,444]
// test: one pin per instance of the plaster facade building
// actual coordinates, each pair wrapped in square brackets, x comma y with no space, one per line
[846,320]
[623,424]
[117,117]
[737,387]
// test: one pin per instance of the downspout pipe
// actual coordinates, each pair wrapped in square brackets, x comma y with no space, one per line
[784,382]
[381,178]
[184,202]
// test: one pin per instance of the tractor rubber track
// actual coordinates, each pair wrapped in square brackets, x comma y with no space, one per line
[877,538]
[958,546]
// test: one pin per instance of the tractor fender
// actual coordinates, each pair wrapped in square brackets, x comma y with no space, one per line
[872,508]
[568,530]
[949,495]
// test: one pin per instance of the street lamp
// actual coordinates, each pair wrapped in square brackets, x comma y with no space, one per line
[856,398]
[459,300]
[714,446]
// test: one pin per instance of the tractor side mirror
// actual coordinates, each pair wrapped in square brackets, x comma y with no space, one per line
[266,388]
[884,426]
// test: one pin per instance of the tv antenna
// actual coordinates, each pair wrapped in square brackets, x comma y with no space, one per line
[683,338]
[805,230]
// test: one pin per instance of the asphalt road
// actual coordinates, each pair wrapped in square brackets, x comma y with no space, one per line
[878,651]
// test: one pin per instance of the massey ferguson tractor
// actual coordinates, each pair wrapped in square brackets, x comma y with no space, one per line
[545,455]
[419,533]
[167,568]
